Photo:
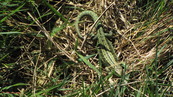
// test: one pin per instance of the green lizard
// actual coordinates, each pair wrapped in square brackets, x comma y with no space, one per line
[105,48]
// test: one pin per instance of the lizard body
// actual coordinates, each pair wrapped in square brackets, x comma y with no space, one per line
[105,48]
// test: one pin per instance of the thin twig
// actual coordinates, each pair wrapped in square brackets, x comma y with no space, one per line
[100,17]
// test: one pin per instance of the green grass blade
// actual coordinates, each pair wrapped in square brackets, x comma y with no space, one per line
[49,89]
[6,55]
[13,12]
[88,63]
[87,57]
[58,29]
[8,87]
[55,11]
[2,33]
[165,67]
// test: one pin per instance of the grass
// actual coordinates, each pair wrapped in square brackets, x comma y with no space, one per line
[41,54]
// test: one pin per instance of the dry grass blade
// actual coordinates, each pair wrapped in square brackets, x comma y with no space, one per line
[51,39]
[45,59]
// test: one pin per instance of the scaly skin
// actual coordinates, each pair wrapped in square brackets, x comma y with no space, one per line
[105,48]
